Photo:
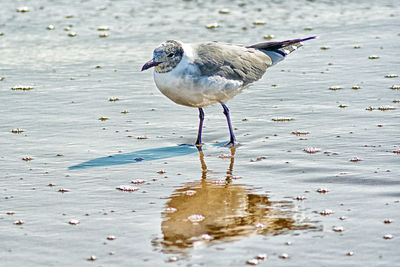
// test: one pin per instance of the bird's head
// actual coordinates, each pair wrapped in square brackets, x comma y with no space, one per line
[165,57]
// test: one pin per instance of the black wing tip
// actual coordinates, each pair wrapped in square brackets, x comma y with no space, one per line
[293,41]
[281,44]
[309,38]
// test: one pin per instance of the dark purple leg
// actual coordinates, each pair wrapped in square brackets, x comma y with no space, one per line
[201,117]
[232,142]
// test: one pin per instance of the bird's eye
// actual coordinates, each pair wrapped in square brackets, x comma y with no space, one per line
[170,55]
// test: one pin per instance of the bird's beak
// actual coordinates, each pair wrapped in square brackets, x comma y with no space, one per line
[149,64]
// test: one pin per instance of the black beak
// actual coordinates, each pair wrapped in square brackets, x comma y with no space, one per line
[149,64]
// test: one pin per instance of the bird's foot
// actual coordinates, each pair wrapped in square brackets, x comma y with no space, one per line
[198,145]
[232,143]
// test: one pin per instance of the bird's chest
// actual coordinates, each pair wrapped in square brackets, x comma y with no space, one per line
[187,87]
[169,81]
[180,87]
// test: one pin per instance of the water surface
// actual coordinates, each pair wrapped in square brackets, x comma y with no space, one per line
[261,199]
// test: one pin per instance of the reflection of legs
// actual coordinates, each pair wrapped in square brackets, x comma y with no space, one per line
[201,117]
[232,141]
[203,164]
[229,172]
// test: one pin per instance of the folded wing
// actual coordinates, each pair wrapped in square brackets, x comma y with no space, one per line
[231,62]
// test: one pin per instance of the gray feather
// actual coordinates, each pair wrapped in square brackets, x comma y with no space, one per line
[231,62]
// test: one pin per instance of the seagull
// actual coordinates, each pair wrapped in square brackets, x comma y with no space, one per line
[202,74]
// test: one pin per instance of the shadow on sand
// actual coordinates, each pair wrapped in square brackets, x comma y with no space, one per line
[140,155]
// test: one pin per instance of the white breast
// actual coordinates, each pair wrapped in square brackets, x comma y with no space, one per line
[185,86]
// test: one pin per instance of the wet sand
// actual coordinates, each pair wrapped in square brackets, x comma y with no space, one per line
[93,170]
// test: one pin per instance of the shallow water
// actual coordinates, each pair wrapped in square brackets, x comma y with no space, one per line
[229,208]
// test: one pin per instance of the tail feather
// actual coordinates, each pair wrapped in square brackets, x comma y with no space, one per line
[278,50]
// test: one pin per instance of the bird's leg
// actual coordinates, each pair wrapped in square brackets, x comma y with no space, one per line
[232,142]
[201,117]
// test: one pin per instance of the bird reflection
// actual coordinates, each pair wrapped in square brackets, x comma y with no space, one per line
[213,210]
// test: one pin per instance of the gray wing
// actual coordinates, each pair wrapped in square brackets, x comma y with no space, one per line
[231,61]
